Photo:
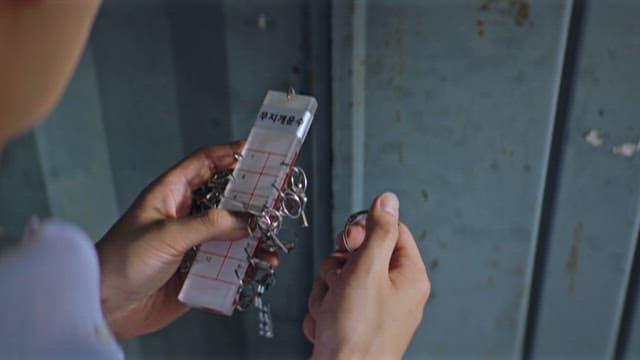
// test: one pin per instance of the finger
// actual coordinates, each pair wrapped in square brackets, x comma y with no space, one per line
[213,225]
[355,236]
[381,234]
[406,251]
[170,194]
[332,263]
[318,291]
[407,269]
[309,327]
[198,167]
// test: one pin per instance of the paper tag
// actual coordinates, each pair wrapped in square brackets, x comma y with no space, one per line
[271,150]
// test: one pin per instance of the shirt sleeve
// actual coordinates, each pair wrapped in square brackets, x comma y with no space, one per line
[50,302]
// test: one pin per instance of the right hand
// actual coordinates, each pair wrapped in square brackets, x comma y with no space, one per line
[369,304]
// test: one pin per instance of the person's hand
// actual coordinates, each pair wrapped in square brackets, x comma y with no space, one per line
[368,305]
[140,254]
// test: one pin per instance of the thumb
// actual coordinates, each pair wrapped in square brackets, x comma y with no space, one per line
[382,233]
[215,224]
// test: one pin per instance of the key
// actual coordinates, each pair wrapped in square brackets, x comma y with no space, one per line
[281,126]
[264,314]
[291,204]
[273,239]
[303,217]
[298,180]
[298,184]
[261,265]
[246,295]
[269,222]
[188,258]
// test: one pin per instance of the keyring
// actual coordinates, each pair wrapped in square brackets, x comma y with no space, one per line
[352,219]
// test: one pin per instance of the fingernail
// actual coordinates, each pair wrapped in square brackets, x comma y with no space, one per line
[389,202]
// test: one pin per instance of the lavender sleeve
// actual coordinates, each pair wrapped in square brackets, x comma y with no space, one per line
[50,297]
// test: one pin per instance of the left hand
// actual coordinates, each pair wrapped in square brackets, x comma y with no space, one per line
[368,304]
[140,254]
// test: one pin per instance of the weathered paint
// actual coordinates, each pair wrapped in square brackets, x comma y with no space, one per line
[594,221]
[476,112]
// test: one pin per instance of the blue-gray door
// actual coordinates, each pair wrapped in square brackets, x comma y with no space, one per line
[509,129]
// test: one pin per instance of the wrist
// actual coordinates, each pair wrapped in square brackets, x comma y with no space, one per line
[113,321]
[116,314]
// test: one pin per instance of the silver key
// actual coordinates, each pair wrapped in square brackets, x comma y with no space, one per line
[298,184]
[303,217]
[264,226]
[264,315]
[274,241]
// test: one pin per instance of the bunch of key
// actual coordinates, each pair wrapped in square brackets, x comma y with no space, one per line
[264,228]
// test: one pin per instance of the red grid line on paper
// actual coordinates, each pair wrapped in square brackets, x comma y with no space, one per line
[223,260]
[264,166]
[248,193]
[257,172]
[211,278]
[284,178]
[220,255]
[260,151]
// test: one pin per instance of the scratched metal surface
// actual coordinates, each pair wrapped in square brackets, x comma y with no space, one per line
[473,111]
[594,225]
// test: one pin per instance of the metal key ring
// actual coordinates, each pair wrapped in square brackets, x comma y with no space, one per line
[352,219]
[269,221]
[298,180]
[286,199]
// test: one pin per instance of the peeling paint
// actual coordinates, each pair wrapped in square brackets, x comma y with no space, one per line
[434,264]
[571,265]
[518,10]
[480,27]
[425,195]
[398,116]
[262,22]
[626,149]
[518,270]
[594,137]
[401,153]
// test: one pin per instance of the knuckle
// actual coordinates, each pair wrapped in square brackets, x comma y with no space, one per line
[307,327]
[212,219]
[325,265]
[329,263]
[423,289]
[325,262]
